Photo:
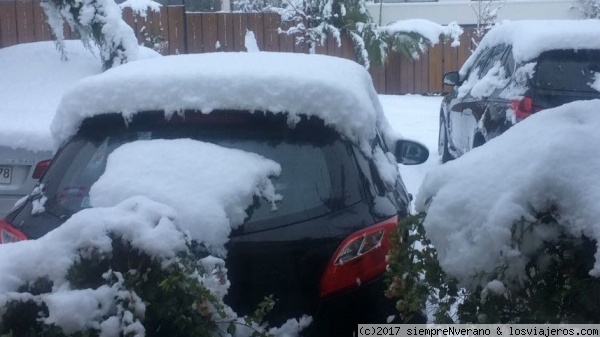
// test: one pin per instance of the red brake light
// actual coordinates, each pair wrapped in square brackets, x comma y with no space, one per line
[8,233]
[40,169]
[359,259]
[523,108]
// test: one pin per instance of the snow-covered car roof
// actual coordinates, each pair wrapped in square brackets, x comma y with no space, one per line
[32,83]
[338,91]
[530,38]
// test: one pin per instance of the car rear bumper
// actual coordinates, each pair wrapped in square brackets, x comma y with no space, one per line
[340,315]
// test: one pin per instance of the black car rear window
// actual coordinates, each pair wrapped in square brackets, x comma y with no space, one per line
[567,70]
[319,174]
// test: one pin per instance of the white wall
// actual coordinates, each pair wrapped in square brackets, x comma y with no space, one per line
[446,11]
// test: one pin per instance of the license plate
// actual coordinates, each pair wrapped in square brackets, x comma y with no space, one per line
[5,174]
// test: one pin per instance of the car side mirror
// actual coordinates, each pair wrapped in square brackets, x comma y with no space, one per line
[452,78]
[409,152]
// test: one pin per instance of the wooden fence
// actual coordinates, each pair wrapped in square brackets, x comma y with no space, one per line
[23,21]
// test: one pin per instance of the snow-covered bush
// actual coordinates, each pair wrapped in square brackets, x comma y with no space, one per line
[557,289]
[97,21]
[120,271]
[515,223]
[590,9]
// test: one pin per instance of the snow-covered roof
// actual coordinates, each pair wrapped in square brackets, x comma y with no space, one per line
[32,82]
[530,38]
[549,159]
[210,196]
[338,91]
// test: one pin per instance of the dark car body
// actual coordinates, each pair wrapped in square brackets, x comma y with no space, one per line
[495,89]
[333,194]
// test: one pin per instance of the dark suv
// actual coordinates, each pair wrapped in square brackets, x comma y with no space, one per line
[322,253]
[518,69]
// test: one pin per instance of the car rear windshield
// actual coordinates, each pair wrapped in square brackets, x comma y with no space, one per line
[567,70]
[319,173]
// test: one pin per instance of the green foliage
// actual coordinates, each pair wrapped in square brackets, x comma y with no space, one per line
[176,301]
[556,288]
[414,275]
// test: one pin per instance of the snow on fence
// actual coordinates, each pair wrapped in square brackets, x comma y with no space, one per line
[180,32]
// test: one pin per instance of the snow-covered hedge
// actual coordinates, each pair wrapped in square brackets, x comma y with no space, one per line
[519,218]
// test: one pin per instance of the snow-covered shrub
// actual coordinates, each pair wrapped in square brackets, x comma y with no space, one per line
[557,289]
[97,21]
[515,222]
[590,9]
[120,271]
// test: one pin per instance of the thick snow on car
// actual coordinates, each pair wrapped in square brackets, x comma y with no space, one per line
[518,69]
[321,247]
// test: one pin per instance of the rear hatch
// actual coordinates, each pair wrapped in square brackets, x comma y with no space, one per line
[564,76]
[283,252]
[17,178]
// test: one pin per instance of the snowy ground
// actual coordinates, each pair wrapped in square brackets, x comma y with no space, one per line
[415,117]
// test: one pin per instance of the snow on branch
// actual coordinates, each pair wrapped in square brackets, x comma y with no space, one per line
[99,21]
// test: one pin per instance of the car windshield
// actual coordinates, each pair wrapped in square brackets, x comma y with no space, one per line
[567,70]
[316,163]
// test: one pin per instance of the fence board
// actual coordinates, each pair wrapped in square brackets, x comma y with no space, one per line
[286,42]
[435,68]
[176,19]
[422,74]
[256,26]
[240,24]
[392,75]
[210,33]
[378,75]
[464,50]
[194,32]
[225,31]
[25,24]
[42,30]
[8,24]
[272,23]
[348,48]
[407,75]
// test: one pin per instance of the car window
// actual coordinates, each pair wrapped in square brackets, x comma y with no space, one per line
[319,174]
[494,56]
[567,70]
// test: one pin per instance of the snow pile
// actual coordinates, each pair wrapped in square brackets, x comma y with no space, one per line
[428,29]
[250,42]
[530,38]
[547,160]
[32,83]
[210,196]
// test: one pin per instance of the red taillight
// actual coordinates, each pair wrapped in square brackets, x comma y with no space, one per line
[359,259]
[523,108]
[10,234]
[40,169]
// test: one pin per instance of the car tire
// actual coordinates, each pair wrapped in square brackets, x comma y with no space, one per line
[443,142]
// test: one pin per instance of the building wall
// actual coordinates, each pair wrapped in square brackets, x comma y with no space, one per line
[446,11]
